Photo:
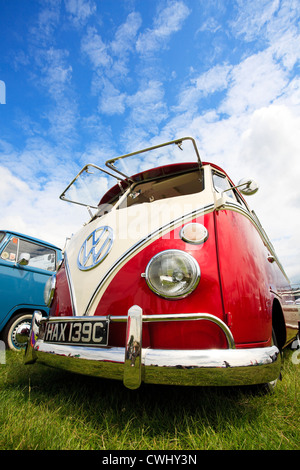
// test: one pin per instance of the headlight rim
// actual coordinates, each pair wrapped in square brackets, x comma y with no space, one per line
[193,285]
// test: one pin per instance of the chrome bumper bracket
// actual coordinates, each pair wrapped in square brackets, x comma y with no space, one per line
[133,350]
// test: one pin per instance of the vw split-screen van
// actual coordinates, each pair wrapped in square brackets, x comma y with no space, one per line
[172,281]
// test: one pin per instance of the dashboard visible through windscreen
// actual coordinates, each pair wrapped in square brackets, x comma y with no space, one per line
[167,187]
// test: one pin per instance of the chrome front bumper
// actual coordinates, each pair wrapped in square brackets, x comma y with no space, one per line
[210,367]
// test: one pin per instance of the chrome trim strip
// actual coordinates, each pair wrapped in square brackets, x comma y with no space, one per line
[70,284]
[136,246]
[52,281]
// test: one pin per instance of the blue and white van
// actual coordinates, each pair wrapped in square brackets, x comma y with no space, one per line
[26,264]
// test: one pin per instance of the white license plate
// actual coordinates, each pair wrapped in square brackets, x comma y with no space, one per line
[87,333]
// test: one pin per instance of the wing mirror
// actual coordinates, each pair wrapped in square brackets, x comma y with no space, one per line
[247,187]
[24,259]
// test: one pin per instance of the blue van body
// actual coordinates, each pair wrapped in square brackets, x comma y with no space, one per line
[26,263]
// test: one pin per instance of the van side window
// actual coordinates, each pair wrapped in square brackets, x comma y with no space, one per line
[10,251]
[221,183]
[39,256]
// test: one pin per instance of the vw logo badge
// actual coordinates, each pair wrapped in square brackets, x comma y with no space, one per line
[95,248]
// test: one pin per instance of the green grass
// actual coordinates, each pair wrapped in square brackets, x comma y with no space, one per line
[43,408]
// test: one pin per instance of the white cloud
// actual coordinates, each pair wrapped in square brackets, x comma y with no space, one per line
[111,100]
[254,16]
[51,73]
[168,21]
[271,147]
[37,212]
[112,56]
[97,51]
[55,72]
[126,34]
[147,105]
[10,185]
[255,82]
[291,93]
[80,10]
[46,23]
[270,150]
[274,24]
[63,119]
[286,48]
[122,46]
[215,79]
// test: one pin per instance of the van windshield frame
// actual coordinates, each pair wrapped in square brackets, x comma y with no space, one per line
[178,142]
[85,192]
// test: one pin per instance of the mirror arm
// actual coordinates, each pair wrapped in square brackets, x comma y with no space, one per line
[220,202]
[247,183]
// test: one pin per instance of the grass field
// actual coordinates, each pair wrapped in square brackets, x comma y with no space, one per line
[43,408]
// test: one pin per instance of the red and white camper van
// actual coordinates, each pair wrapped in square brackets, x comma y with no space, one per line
[172,281]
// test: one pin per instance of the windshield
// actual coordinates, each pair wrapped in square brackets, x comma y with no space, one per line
[180,150]
[143,176]
[86,187]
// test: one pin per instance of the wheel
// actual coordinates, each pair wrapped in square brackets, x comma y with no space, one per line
[10,329]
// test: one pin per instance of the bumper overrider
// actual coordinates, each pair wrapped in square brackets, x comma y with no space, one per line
[51,342]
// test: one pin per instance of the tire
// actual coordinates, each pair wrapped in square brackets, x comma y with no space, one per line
[9,331]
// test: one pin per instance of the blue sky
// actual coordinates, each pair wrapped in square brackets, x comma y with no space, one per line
[86,80]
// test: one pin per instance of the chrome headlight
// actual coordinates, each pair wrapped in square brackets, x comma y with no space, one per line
[172,274]
[49,290]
